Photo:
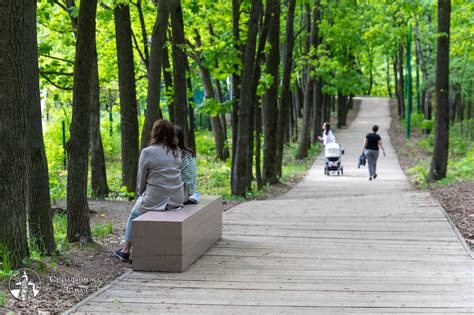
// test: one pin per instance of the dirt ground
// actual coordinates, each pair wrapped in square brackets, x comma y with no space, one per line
[83,269]
[457,199]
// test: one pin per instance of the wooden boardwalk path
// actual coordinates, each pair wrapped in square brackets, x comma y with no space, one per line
[338,244]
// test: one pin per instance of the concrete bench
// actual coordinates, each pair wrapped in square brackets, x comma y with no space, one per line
[171,241]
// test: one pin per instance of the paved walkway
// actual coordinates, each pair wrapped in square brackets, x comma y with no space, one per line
[338,244]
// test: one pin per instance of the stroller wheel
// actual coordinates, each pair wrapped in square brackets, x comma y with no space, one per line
[342,171]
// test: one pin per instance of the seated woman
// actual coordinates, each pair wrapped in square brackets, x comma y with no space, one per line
[159,183]
[188,169]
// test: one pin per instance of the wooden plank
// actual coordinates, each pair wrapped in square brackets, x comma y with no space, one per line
[187,308]
[289,298]
[137,283]
[283,278]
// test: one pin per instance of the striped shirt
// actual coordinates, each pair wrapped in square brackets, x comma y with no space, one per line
[189,172]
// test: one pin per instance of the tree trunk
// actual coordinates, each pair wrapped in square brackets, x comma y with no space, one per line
[439,164]
[168,82]
[260,56]
[307,43]
[153,110]
[395,79]
[295,111]
[421,61]
[258,144]
[235,82]
[128,97]
[346,110]
[222,153]
[304,139]
[304,134]
[270,105]
[239,177]
[220,99]
[401,83]
[458,103]
[327,108]
[98,172]
[146,52]
[318,109]
[340,110]
[389,89]
[179,68]
[285,100]
[38,199]
[78,227]
[191,127]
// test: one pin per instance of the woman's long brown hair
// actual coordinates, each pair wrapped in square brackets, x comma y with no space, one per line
[163,133]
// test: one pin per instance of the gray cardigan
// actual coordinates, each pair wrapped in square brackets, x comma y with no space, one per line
[159,181]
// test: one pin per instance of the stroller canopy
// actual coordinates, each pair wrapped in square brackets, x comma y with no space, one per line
[332,150]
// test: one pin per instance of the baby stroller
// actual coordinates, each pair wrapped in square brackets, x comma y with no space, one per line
[332,155]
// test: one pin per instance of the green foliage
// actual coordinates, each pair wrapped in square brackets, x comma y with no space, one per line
[3,298]
[35,251]
[460,161]
[102,230]
[213,176]
[6,262]
[60,231]
[212,107]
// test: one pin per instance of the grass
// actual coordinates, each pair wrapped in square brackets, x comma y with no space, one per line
[102,230]
[60,232]
[98,231]
[461,153]
[3,298]
[6,262]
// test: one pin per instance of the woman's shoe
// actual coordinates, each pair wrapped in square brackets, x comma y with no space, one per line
[375,176]
[370,178]
[121,255]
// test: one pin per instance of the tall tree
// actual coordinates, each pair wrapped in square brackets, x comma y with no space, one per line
[40,221]
[285,100]
[222,152]
[401,83]
[235,82]
[128,96]
[240,176]
[439,164]
[270,105]
[78,228]
[167,77]
[153,110]
[425,66]
[13,160]
[179,68]
[98,171]
[304,139]
[192,127]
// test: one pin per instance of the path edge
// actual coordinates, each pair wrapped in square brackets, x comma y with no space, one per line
[96,293]
[455,229]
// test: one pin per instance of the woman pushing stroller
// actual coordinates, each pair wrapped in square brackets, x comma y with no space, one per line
[328,135]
